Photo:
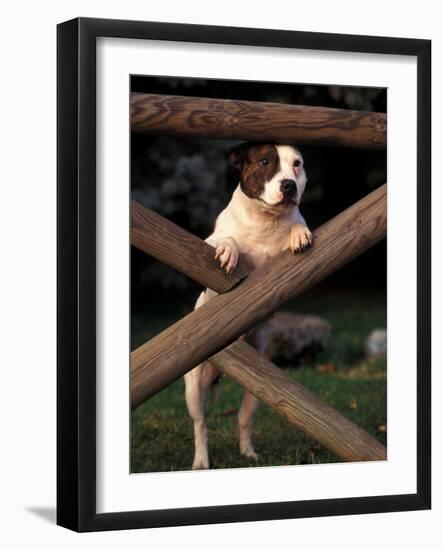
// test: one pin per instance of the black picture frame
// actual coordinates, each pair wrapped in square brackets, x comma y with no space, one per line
[76,274]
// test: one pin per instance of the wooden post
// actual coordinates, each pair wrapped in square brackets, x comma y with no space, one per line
[257,121]
[181,250]
[196,337]
[296,403]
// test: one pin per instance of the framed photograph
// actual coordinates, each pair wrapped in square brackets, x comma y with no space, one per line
[237,338]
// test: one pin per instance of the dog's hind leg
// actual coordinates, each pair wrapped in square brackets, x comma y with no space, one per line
[245,422]
[249,405]
[198,382]
[195,398]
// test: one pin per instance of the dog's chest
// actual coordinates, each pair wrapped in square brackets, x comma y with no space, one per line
[261,242]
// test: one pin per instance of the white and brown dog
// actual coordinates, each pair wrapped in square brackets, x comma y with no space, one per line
[261,220]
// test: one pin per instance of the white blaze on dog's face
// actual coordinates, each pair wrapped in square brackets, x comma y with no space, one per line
[289,181]
[272,174]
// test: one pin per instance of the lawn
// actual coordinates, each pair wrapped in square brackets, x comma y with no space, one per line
[161,431]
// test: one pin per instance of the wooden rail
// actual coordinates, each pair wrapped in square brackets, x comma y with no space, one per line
[178,248]
[257,121]
[300,406]
[223,319]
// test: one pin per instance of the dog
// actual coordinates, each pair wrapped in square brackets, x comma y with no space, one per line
[261,220]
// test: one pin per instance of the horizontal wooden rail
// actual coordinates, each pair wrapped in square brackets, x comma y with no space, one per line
[300,406]
[257,121]
[218,323]
[179,249]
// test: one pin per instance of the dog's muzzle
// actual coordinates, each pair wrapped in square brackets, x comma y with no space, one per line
[289,188]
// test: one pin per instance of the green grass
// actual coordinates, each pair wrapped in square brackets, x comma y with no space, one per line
[161,431]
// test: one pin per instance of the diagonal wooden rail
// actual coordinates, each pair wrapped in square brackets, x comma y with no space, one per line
[179,249]
[300,406]
[222,320]
[254,120]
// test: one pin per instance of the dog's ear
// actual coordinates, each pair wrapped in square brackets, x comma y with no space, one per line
[236,156]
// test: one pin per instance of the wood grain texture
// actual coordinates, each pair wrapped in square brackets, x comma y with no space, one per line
[257,121]
[207,330]
[181,250]
[297,404]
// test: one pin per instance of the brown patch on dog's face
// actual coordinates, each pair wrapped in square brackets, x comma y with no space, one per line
[256,164]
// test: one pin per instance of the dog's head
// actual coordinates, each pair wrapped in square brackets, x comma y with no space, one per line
[272,174]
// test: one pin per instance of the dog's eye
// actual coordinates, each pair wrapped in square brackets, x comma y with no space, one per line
[264,162]
[297,163]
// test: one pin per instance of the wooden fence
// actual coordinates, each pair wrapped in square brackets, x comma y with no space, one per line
[247,299]
[253,120]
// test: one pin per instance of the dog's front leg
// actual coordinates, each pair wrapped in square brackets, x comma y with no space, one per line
[227,253]
[300,235]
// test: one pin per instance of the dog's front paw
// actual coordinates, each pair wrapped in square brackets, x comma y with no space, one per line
[227,254]
[300,237]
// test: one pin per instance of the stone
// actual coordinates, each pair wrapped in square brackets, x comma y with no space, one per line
[376,343]
[290,335]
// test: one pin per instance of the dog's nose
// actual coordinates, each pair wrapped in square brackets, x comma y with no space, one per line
[288,186]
